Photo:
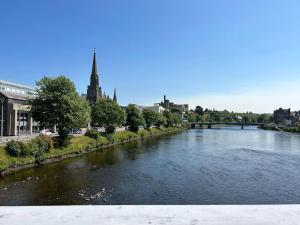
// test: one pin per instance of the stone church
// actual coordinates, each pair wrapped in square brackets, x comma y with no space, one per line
[94,90]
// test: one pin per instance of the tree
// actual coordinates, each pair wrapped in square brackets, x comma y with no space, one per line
[191,117]
[57,103]
[109,114]
[245,118]
[199,110]
[150,117]
[134,118]
[176,118]
[168,115]
[177,110]
[172,118]
[263,118]
[161,121]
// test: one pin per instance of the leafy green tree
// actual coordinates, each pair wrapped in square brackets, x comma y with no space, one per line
[135,118]
[199,118]
[161,120]
[191,117]
[107,113]
[263,118]
[176,110]
[172,118]
[176,118]
[245,119]
[150,117]
[57,103]
[199,110]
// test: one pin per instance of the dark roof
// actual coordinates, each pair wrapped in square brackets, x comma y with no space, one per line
[17,96]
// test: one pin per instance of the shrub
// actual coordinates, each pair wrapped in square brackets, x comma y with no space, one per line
[39,145]
[143,133]
[48,140]
[92,134]
[101,141]
[35,148]
[123,136]
[16,148]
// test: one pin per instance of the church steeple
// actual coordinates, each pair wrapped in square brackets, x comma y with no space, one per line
[94,68]
[94,90]
[115,96]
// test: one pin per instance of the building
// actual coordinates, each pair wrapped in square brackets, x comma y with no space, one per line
[94,90]
[282,116]
[171,105]
[14,100]
[156,108]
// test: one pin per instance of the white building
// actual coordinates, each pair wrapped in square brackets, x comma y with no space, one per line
[156,108]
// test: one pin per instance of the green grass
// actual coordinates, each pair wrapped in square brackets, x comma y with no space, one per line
[80,144]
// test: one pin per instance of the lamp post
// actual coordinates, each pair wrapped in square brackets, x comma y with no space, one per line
[2,101]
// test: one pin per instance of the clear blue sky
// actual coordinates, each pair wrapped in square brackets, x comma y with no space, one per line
[242,55]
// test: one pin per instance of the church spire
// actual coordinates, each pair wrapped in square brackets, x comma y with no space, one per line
[115,96]
[94,90]
[94,68]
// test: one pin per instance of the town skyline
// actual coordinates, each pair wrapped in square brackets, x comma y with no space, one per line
[222,56]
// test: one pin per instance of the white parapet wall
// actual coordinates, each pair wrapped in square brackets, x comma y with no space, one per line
[140,215]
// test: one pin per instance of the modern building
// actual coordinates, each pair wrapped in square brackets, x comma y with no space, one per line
[14,104]
[94,90]
[171,105]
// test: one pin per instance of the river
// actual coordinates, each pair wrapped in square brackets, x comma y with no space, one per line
[202,166]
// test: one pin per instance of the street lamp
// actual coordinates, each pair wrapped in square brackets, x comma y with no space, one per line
[2,101]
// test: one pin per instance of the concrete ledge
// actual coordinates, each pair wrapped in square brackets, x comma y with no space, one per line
[140,215]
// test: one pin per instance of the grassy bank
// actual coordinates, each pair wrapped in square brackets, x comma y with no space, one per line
[78,145]
[293,129]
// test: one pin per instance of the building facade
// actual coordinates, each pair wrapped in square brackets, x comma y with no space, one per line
[94,91]
[14,104]
[282,116]
[156,108]
[171,105]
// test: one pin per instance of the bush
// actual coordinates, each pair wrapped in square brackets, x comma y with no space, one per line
[92,134]
[16,148]
[38,146]
[123,136]
[45,142]
[143,133]
[101,141]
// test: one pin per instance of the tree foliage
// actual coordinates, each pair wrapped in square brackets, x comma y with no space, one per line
[150,117]
[199,110]
[134,118]
[161,121]
[172,118]
[108,114]
[57,103]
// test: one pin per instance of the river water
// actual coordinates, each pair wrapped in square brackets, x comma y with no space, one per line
[201,166]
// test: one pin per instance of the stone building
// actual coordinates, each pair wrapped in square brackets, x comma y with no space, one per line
[16,117]
[94,90]
[171,105]
[282,116]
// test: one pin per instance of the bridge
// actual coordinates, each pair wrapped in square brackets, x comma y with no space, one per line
[209,124]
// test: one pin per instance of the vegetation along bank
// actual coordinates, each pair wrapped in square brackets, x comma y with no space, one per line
[16,155]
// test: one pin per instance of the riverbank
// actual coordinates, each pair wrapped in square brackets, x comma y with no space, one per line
[293,129]
[79,145]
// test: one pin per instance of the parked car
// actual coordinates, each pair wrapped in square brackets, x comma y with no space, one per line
[45,132]
[76,131]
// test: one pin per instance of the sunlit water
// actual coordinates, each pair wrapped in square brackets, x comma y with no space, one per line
[201,166]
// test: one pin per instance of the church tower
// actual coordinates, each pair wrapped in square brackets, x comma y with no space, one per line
[94,90]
